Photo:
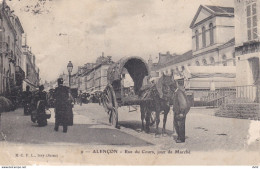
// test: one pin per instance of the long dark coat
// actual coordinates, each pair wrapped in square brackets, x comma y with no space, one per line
[63,105]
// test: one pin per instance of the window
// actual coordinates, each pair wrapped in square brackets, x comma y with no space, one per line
[197,39]
[197,63]
[251,21]
[211,33]
[203,36]
[204,61]
[212,61]
[224,60]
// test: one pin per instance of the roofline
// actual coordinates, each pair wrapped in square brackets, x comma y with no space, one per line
[20,24]
[213,14]
[197,14]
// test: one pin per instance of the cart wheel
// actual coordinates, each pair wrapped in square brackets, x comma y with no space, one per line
[111,105]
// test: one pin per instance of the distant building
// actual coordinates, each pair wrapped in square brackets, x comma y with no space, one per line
[65,78]
[91,76]
[32,78]
[96,78]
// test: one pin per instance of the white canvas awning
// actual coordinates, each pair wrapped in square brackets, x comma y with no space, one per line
[210,72]
[209,77]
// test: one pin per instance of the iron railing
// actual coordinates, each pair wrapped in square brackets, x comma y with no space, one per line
[236,94]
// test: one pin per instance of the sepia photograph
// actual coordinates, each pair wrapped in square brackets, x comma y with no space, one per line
[129,82]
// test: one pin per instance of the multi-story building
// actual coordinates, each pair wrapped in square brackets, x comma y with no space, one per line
[211,61]
[31,70]
[212,42]
[11,32]
[96,78]
[78,79]
[247,47]
[213,36]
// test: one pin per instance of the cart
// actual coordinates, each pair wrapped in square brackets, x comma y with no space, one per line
[116,94]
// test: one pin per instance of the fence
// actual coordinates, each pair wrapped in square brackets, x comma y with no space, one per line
[236,94]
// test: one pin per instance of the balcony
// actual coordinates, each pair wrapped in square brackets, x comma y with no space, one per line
[5,51]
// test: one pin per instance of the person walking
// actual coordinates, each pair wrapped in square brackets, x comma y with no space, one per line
[40,104]
[27,98]
[63,106]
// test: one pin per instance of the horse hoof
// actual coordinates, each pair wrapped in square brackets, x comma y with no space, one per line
[157,135]
[164,134]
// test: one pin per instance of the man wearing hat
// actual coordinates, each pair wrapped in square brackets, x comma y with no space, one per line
[27,98]
[63,102]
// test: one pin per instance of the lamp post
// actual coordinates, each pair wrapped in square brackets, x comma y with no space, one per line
[69,67]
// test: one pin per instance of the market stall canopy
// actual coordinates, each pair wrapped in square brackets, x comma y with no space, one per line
[210,71]
[135,66]
[209,77]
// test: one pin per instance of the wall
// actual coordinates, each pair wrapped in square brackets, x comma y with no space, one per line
[225,29]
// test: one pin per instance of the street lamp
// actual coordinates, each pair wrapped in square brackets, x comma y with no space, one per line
[69,67]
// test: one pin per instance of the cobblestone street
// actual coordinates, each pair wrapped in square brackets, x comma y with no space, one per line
[204,131]
[207,135]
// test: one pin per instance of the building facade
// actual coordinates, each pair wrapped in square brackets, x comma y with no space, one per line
[96,78]
[32,78]
[11,72]
[247,47]
[212,42]
[91,76]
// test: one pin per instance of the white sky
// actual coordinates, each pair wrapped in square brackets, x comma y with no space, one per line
[116,27]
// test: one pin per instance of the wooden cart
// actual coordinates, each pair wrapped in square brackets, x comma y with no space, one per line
[116,94]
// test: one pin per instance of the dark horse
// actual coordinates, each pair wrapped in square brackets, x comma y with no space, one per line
[160,95]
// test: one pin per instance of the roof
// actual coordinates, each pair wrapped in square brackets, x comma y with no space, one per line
[213,11]
[180,58]
[221,10]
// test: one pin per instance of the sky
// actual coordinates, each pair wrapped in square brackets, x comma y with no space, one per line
[60,31]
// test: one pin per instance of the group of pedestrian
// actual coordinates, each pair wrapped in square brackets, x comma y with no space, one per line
[36,104]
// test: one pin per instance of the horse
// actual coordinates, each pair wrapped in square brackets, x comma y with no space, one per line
[160,95]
